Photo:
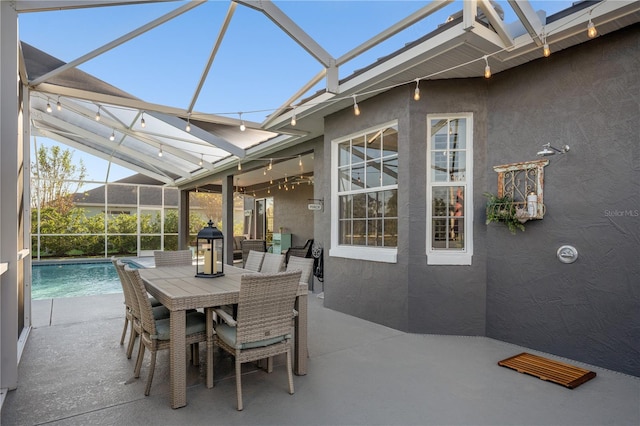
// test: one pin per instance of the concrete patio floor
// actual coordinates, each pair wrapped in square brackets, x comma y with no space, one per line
[74,372]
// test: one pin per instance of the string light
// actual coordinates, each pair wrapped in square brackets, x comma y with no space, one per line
[300,160]
[356,109]
[201,159]
[293,117]
[59,105]
[270,166]
[239,165]
[160,151]
[416,93]
[591,29]
[242,126]
[188,128]
[143,124]
[487,68]
[98,114]
[48,106]
[545,49]
[113,136]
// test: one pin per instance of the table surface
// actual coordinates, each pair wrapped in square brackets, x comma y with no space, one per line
[178,289]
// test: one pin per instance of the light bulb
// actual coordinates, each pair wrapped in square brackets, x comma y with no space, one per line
[188,128]
[143,124]
[356,109]
[242,127]
[591,30]
[201,159]
[416,93]
[98,114]
[59,105]
[239,166]
[113,136]
[293,120]
[49,107]
[546,51]
[270,166]
[299,160]
[487,68]
[160,152]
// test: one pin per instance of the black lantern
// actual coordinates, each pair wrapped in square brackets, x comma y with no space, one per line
[210,246]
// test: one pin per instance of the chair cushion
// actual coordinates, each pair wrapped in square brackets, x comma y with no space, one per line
[196,323]
[161,312]
[228,334]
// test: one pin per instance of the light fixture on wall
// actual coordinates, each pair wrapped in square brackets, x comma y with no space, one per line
[548,150]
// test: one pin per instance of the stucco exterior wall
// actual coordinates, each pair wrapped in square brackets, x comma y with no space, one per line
[588,98]
[516,290]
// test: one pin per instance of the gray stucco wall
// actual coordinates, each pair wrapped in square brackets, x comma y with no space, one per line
[587,97]
[516,290]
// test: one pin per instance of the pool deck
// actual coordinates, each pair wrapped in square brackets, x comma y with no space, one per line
[74,372]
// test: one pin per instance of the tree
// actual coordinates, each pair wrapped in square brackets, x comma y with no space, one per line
[57,178]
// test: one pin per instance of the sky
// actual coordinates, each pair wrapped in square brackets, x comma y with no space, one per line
[257,68]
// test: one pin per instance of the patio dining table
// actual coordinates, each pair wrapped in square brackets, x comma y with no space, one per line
[179,289]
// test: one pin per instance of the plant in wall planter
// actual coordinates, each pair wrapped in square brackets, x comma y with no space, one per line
[505,210]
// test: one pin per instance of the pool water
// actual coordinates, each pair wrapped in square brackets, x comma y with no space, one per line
[74,279]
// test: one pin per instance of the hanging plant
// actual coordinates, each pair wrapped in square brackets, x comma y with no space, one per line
[505,210]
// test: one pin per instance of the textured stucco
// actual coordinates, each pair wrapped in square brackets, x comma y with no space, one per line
[516,290]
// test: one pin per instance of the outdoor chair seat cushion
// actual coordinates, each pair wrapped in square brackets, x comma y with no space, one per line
[196,323]
[227,333]
[161,312]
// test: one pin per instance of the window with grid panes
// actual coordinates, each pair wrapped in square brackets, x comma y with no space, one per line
[366,167]
[449,180]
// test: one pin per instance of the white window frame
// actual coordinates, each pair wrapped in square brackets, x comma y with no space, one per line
[374,254]
[452,256]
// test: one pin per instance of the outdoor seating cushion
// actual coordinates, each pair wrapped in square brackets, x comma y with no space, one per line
[196,323]
[228,334]
[161,312]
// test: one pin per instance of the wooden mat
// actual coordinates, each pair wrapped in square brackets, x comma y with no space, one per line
[546,369]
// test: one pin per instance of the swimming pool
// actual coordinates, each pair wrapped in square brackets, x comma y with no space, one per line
[74,279]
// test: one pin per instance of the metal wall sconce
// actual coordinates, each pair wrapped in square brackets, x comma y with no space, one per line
[548,150]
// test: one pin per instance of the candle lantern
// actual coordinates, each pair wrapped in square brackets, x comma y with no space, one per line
[210,246]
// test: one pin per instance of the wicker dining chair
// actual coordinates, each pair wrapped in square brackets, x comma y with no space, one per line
[263,325]
[304,264]
[272,263]
[173,258]
[254,260]
[156,333]
[248,245]
[132,315]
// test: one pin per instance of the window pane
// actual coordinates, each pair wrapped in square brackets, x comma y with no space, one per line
[357,150]
[391,203]
[346,202]
[170,242]
[458,163]
[360,205]
[123,195]
[343,153]
[439,233]
[439,134]
[390,141]
[390,233]
[171,221]
[373,174]
[440,202]
[439,172]
[150,242]
[390,171]
[375,205]
[357,177]
[345,232]
[122,244]
[150,196]
[343,180]
[374,145]
[457,133]
[360,232]
[374,232]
